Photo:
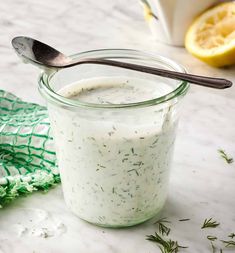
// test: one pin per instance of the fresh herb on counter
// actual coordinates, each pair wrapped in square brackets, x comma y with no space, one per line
[184,219]
[232,235]
[165,245]
[225,156]
[163,229]
[212,239]
[209,223]
[228,243]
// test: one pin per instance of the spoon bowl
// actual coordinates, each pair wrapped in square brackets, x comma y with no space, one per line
[42,55]
[39,53]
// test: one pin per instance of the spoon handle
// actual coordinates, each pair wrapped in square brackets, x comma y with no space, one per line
[218,83]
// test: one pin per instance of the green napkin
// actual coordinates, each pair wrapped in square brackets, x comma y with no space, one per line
[27,156]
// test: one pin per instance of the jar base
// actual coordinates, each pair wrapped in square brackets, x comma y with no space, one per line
[123,225]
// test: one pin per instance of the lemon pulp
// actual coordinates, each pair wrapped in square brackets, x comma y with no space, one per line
[211,37]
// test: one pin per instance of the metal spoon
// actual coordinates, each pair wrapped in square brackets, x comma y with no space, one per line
[38,53]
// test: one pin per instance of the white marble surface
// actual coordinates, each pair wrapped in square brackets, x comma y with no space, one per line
[202,184]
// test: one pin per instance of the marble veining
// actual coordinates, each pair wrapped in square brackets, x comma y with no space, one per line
[202,184]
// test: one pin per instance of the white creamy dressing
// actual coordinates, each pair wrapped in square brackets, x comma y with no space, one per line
[114,164]
[114,91]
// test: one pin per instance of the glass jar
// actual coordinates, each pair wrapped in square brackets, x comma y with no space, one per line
[114,159]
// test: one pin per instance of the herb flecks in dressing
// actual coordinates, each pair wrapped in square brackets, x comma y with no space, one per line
[115,171]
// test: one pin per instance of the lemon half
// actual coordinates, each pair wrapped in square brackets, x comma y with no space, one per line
[211,37]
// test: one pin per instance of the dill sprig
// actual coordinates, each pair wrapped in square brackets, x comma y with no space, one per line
[163,229]
[232,235]
[228,243]
[225,156]
[209,223]
[212,238]
[184,219]
[162,220]
[165,245]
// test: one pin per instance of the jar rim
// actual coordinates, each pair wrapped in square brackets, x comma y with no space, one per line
[180,90]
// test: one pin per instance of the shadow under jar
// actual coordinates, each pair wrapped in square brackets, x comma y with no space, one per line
[114,132]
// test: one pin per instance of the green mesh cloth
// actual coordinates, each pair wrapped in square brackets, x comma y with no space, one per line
[27,157]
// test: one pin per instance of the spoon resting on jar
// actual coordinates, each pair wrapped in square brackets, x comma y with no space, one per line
[45,56]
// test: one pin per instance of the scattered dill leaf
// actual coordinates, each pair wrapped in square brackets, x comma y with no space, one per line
[162,220]
[225,156]
[232,235]
[228,243]
[184,219]
[213,247]
[165,245]
[211,238]
[209,223]
[163,229]
[221,251]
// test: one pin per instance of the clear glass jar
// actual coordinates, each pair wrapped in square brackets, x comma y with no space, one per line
[114,159]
